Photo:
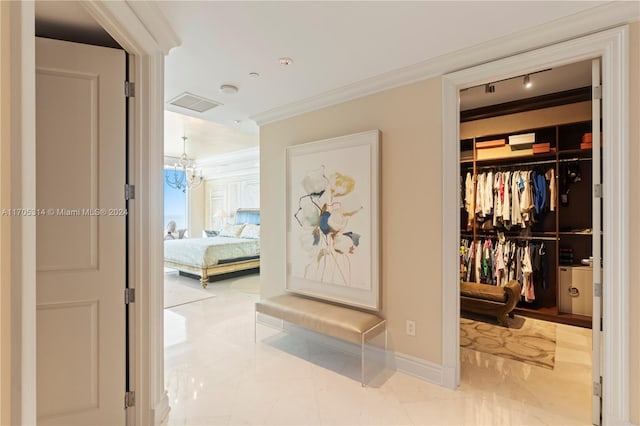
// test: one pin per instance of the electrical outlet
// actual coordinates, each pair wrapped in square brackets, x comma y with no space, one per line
[411,328]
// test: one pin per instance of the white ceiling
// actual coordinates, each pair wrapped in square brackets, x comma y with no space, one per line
[333,45]
[205,139]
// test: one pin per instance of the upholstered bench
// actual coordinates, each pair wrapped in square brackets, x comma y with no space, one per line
[324,317]
[491,300]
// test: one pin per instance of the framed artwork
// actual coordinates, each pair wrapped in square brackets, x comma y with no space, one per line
[333,219]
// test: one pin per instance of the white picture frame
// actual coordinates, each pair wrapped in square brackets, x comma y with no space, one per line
[333,219]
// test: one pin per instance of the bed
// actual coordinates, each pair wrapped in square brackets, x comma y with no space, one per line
[235,248]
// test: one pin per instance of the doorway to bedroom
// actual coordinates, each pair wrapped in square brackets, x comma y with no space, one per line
[211,198]
[211,246]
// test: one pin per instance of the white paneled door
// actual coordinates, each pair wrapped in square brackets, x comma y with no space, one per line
[80,233]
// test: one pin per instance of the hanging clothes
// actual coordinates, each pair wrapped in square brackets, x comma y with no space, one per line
[526,200]
[550,175]
[487,204]
[516,215]
[527,275]
[478,262]
[506,203]
[497,201]
[480,186]
[499,265]
[469,187]
[539,194]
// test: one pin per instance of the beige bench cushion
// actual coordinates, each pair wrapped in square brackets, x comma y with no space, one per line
[483,291]
[344,323]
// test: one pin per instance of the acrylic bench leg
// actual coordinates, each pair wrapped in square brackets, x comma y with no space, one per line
[362,362]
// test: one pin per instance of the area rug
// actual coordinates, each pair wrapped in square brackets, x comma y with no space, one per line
[180,290]
[526,340]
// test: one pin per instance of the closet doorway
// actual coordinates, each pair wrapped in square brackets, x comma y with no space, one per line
[610,47]
[529,231]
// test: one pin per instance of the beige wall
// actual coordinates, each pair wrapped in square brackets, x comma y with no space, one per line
[634,231]
[409,118]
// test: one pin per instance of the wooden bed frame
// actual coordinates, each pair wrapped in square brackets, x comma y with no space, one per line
[206,272]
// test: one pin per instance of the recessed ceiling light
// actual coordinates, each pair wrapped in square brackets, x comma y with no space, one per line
[228,89]
[236,121]
[254,74]
[285,61]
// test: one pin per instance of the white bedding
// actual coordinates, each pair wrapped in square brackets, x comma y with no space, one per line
[203,252]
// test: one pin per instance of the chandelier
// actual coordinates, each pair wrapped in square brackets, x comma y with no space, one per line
[185,173]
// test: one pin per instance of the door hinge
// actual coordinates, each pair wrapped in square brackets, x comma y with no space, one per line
[129,399]
[597,389]
[597,190]
[597,289]
[597,92]
[129,192]
[129,89]
[129,295]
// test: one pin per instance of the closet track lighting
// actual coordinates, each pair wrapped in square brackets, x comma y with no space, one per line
[527,82]
[489,88]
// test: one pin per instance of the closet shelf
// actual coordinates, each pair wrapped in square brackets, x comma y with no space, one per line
[578,152]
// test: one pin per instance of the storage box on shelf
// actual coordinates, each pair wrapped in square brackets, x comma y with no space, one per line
[542,148]
[522,141]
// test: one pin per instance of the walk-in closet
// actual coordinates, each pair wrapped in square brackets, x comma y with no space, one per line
[528,174]
[525,186]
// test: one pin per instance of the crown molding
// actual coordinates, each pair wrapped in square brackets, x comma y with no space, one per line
[587,22]
[156,23]
[137,26]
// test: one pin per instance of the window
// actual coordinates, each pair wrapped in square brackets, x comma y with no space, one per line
[175,202]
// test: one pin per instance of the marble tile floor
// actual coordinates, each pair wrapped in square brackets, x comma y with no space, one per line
[216,375]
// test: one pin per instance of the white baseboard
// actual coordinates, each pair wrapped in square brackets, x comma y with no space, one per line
[420,368]
[417,367]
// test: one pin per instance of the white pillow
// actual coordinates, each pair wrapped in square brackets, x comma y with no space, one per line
[230,230]
[208,234]
[250,231]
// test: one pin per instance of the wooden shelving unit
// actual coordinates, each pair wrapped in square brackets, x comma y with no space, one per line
[563,228]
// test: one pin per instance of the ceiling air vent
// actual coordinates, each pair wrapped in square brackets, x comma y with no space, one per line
[193,102]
